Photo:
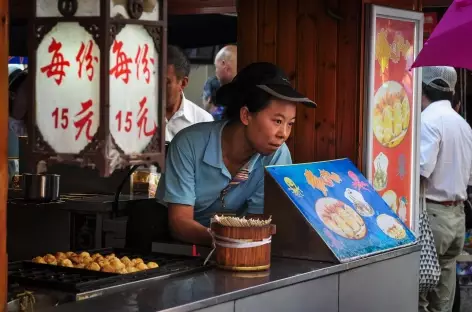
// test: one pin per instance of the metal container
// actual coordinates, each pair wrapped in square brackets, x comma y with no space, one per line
[40,187]
[27,303]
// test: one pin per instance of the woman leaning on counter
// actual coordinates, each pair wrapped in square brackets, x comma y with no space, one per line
[218,167]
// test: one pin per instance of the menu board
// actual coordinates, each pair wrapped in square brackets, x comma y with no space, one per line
[393,112]
[344,209]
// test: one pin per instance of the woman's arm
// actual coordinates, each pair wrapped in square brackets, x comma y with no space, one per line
[184,228]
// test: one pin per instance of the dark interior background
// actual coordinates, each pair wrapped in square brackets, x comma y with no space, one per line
[185,31]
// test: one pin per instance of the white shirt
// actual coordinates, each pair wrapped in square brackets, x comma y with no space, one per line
[445,152]
[188,114]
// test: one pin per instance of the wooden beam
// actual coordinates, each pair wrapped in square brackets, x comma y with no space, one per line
[175,7]
[182,7]
[435,3]
[3,152]
[18,9]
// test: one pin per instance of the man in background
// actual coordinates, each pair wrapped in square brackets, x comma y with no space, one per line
[180,112]
[445,168]
[209,98]
[226,65]
[226,68]
[17,110]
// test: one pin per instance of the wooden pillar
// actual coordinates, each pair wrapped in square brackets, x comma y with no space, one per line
[3,151]
[317,43]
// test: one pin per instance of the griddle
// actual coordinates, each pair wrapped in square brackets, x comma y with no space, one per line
[74,280]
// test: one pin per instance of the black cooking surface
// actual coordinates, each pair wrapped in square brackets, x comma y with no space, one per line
[81,280]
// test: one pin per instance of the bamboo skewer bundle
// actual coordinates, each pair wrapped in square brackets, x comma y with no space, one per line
[240,222]
[242,244]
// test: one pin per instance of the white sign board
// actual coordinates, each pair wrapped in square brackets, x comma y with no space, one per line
[67,88]
[133,89]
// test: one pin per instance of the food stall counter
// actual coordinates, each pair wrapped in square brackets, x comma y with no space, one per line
[368,284]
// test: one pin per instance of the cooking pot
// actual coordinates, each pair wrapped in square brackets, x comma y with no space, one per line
[40,187]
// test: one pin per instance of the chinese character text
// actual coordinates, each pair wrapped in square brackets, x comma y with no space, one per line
[121,68]
[84,120]
[56,67]
[85,56]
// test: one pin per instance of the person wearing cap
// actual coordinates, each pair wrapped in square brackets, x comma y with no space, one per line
[180,112]
[446,171]
[218,167]
[17,108]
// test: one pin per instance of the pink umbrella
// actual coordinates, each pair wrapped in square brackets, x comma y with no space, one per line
[450,44]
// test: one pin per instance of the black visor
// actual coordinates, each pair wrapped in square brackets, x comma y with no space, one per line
[265,76]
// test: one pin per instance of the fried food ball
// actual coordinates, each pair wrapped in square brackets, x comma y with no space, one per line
[152,265]
[39,260]
[131,270]
[60,256]
[50,259]
[87,260]
[110,256]
[109,269]
[141,266]
[102,262]
[66,263]
[76,259]
[93,266]
[116,263]
[125,260]
[96,255]
[84,254]
[70,254]
[122,271]
[136,261]
[80,266]
[131,264]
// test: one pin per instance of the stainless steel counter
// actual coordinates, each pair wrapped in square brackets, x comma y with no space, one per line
[386,282]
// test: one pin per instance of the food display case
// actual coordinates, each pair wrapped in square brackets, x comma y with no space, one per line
[393,108]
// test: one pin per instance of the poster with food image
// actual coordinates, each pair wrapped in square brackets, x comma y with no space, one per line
[393,111]
[342,207]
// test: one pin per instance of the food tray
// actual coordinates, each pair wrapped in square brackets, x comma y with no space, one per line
[80,280]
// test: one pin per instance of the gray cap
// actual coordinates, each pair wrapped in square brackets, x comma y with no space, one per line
[446,74]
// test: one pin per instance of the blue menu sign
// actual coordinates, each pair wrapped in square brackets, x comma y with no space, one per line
[342,207]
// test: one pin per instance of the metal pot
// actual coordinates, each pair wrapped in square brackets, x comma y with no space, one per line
[40,187]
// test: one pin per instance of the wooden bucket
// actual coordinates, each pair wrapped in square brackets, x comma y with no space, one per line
[242,259]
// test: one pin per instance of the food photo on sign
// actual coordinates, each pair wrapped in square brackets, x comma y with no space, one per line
[342,207]
[392,115]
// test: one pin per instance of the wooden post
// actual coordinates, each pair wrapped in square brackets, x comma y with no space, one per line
[3,151]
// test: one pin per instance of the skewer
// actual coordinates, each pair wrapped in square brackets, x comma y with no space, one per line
[240,221]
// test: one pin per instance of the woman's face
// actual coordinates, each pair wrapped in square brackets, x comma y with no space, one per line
[269,128]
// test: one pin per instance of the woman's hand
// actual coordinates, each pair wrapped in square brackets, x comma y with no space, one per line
[184,228]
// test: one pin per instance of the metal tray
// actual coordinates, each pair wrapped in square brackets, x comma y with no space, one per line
[80,280]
